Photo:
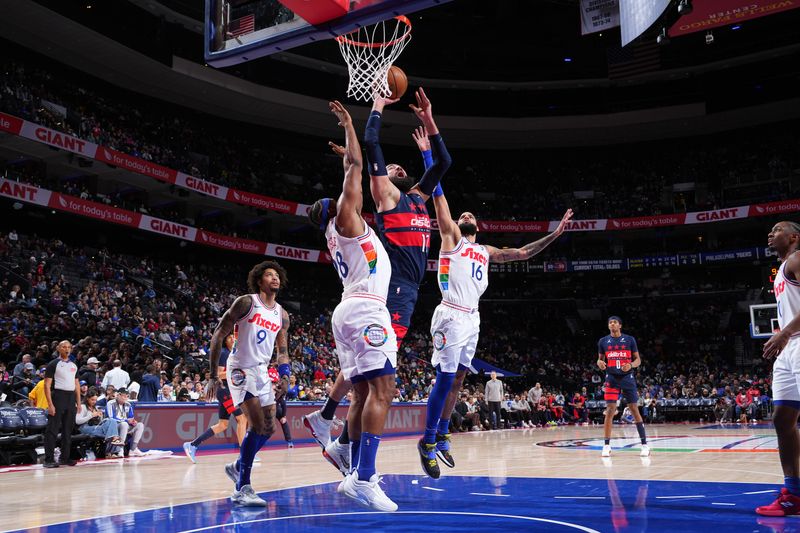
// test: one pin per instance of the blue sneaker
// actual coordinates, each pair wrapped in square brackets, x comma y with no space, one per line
[190,450]
[427,456]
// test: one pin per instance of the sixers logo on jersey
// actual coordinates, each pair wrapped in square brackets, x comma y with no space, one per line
[264,323]
[475,256]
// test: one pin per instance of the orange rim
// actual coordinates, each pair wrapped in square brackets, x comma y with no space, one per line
[401,18]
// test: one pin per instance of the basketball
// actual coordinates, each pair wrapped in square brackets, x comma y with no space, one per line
[398,82]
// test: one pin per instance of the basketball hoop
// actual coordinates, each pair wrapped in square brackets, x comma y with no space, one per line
[369,53]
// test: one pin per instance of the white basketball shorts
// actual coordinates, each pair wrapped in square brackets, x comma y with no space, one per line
[455,337]
[254,380]
[786,373]
[365,340]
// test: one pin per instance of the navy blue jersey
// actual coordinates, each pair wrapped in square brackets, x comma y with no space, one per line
[223,357]
[405,232]
[618,351]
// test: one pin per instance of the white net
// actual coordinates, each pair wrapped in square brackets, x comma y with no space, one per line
[369,53]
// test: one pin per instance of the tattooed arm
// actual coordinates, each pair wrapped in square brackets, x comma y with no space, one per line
[497,255]
[240,308]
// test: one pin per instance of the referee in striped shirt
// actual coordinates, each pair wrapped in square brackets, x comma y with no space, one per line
[63,398]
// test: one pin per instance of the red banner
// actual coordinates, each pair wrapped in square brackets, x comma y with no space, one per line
[169,425]
[261,202]
[708,14]
[38,133]
[24,192]
[136,165]
[10,124]
[231,243]
[78,206]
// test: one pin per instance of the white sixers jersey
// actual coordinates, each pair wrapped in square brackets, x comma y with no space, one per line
[255,335]
[464,274]
[787,294]
[361,262]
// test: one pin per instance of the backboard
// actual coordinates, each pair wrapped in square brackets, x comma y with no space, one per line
[763,321]
[242,30]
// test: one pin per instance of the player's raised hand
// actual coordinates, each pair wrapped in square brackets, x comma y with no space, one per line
[563,224]
[341,113]
[378,102]
[337,148]
[420,136]
[775,344]
[423,108]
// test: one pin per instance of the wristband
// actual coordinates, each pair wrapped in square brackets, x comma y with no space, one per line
[284,370]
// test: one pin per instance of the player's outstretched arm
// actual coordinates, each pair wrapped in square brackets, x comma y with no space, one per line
[441,157]
[505,255]
[448,229]
[348,207]
[778,341]
[241,306]
[384,192]
[282,347]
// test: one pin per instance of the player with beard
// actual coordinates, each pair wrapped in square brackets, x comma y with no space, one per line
[259,324]
[785,240]
[463,277]
[404,229]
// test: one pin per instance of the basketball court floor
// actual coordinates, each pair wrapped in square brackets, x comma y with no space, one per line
[699,478]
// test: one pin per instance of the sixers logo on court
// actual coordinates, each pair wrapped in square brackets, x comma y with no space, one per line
[376,335]
[237,377]
[439,339]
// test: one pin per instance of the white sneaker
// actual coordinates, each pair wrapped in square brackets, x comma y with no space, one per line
[367,493]
[340,486]
[319,428]
[247,497]
[606,451]
[136,453]
[232,472]
[338,455]
[645,451]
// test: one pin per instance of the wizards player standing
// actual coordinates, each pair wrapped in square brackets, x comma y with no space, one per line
[621,356]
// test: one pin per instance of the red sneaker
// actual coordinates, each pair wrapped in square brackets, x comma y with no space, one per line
[785,505]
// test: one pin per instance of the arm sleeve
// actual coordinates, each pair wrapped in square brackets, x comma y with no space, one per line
[372,146]
[427,159]
[441,162]
[634,346]
[600,352]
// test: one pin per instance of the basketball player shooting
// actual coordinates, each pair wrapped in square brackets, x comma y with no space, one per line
[404,228]
[362,329]
[785,240]
[259,324]
[463,277]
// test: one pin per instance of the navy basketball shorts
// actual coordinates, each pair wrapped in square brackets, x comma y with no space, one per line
[400,302]
[616,386]
[226,407]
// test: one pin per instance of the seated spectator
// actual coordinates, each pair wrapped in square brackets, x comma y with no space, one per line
[5,381]
[121,410]
[88,372]
[90,421]
[22,385]
[110,394]
[165,394]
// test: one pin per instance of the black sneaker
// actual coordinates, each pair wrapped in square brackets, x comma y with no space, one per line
[427,456]
[443,450]
[50,464]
